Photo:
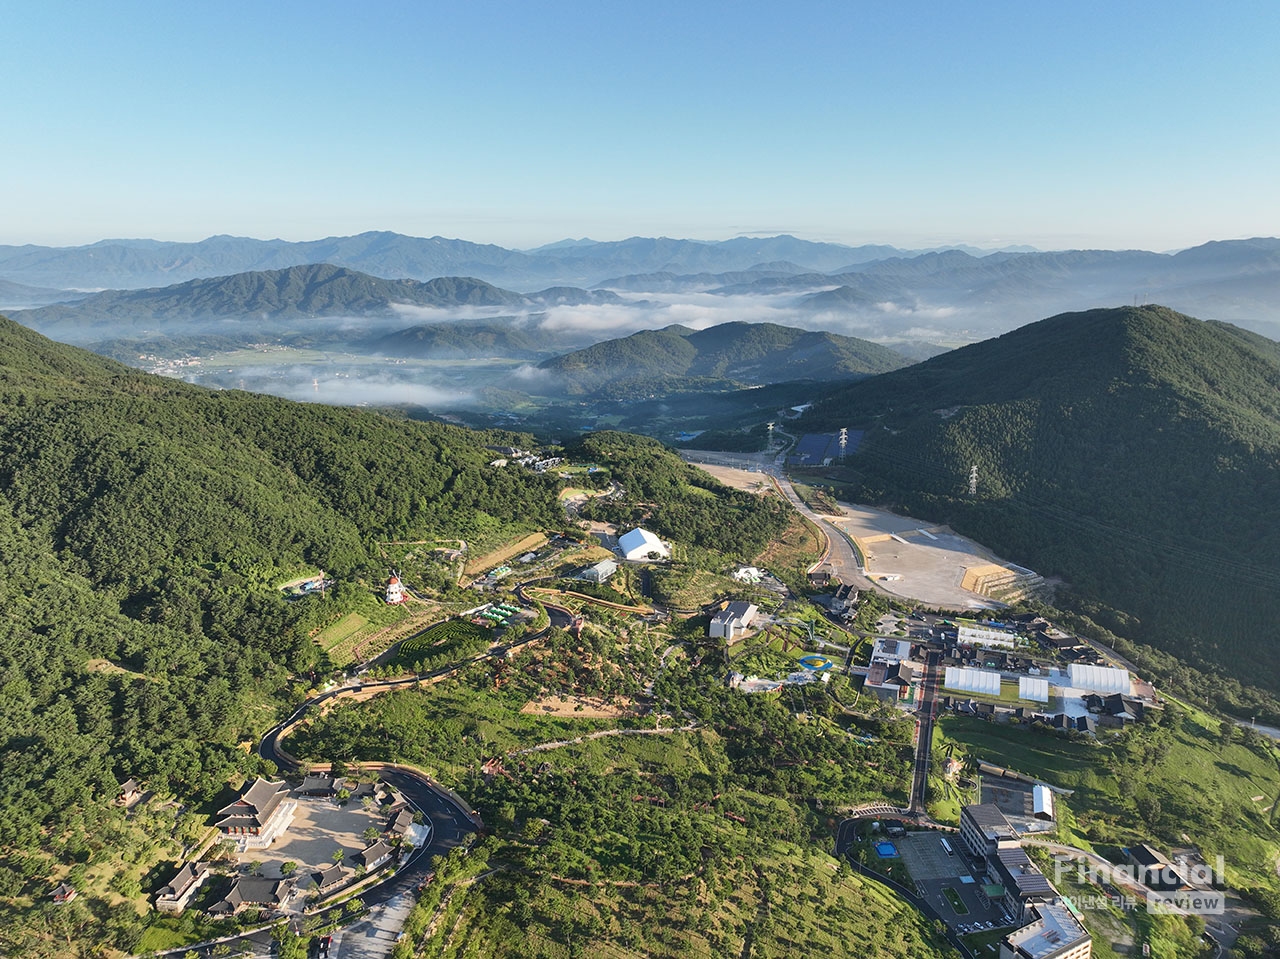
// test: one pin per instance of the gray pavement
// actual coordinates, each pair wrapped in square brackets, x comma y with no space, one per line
[376,935]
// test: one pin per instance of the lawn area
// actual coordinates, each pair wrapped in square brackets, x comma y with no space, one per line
[1172,782]
[689,588]
[342,630]
[957,904]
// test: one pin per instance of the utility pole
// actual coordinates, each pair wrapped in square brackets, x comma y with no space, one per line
[973,480]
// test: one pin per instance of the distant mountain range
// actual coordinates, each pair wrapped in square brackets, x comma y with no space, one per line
[144,263]
[18,296]
[1134,452]
[743,353]
[958,294]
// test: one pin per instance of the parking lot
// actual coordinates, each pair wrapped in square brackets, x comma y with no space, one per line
[933,872]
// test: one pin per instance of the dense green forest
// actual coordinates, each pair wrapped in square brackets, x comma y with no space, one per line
[1135,453]
[143,526]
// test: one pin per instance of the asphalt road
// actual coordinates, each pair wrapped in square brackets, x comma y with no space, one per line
[451,824]
[924,742]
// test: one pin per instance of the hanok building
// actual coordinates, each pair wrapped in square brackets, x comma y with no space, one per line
[268,894]
[1054,933]
[845,601]
[329,878]
[1152,869]
[130,792]
[175,896]
[890,681]
[374,856]
[891,674]
[732,621]
[400,824]
[262,813]
[318,784]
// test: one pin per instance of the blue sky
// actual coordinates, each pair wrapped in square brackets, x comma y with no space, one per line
[1117,124]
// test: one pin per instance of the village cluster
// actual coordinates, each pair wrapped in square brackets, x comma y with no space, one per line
[1021,670]
[291,848]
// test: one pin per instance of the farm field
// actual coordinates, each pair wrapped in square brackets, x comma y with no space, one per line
[338,639]
[526,544]
[588,707]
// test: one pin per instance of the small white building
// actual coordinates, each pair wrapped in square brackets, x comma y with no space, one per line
[395,591]
[747,574]
[732,621]
[640,544]
[1042,801]
[600,572]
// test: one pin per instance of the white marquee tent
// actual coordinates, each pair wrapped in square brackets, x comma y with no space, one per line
[641,544]
[972,680]
[1099,679]
[1033,688]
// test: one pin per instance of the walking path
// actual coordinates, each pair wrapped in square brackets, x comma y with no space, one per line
[544,747]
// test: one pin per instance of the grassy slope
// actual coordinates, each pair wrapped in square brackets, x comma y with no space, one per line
[730,851]
[1153,784]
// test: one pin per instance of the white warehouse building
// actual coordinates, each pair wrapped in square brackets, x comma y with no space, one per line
[1034,689]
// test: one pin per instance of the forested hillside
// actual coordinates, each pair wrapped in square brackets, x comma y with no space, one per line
[299,292]
[144,527]
[1133,452]
[749,353]
[677,501]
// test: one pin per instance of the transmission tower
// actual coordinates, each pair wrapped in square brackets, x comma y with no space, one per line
[973,480]
[844,440]
[770,425]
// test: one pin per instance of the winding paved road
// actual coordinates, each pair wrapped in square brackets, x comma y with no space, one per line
[452,823]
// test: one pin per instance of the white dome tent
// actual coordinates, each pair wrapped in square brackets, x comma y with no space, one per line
[641,544]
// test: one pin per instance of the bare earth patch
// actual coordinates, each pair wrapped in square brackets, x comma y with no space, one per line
[585,707]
